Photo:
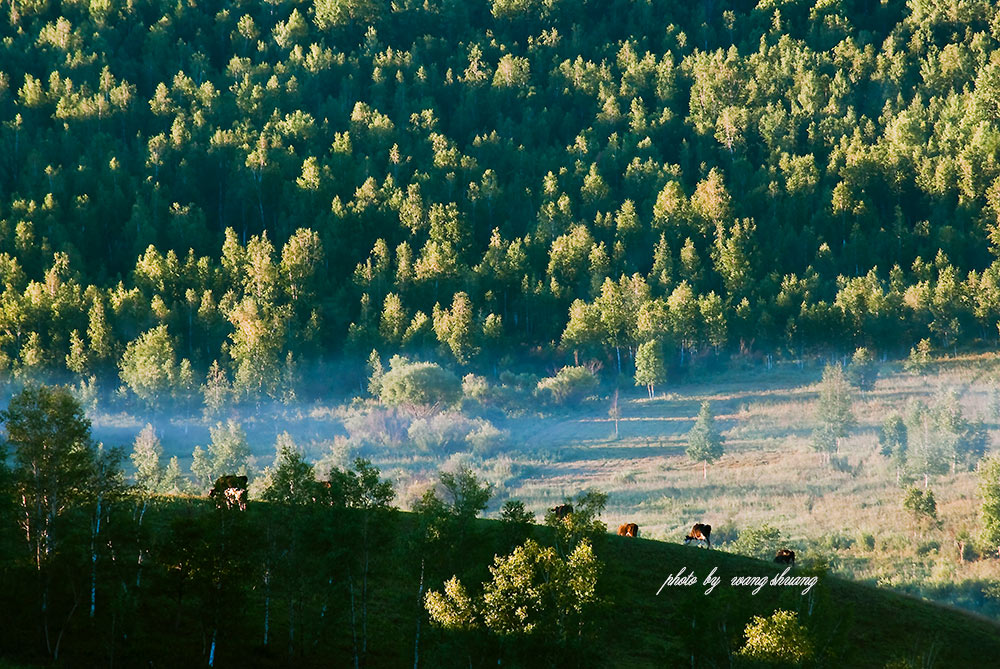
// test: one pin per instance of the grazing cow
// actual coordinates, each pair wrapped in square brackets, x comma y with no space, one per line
[628,530]
[562,510]
[230,491]
[785,556]
[699,533]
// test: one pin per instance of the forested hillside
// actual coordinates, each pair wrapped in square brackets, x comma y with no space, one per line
[194,191]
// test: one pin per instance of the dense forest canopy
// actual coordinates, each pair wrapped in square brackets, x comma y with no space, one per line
[195,191]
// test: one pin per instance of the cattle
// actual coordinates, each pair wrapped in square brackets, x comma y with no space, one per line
[562,511]
[699,533]
[785,556]
[628,530]
[230,491]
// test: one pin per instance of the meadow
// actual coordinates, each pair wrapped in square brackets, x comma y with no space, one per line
[847,513]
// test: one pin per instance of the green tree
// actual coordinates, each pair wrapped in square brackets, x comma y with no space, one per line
[920,503]
[558,595]
[583,524]
[55,467]
[77,360]
[649,367]
[516,521]
[301,257]
[920,357]
[989,512]
[834,411]
[894,442]
[334,13]
[375,373]
[705,443]
[146,454]
[291,480]
[779,638]
[862,371]
[217,391]
[454,328]
[363,488]
[149,366]
[469,496]
[532,591]
[227,454]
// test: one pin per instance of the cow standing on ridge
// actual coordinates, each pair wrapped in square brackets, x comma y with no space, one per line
[699,532]
[230,491]
[628,530]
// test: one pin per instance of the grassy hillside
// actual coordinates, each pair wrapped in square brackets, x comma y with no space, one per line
[850,624]
[854,625]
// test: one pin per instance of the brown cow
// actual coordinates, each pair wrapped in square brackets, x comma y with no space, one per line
[628,530]
[562,510]
[785,556]
[230,491]
[699,533]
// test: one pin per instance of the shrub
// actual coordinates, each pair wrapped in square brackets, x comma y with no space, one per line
[570,385]
[476,388]
[485,439]
[526,381]
[420,387]
[757,542]
[841,464]
[928,547]
[868,540]
[441,432]
[374,426]
[839,542]
[779,638]
[514,513]
[725,533]
[920,503]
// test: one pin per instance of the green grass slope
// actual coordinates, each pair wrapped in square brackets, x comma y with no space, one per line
[852,624]
[205,573]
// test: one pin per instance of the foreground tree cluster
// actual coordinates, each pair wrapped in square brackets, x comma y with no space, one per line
[196,198]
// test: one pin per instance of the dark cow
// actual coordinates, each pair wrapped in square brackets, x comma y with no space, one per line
[230,491]
[562,511]
[699,533]
[628,530]
[785,556]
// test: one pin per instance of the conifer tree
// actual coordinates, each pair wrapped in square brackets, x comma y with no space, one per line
[834,411]
[705,442]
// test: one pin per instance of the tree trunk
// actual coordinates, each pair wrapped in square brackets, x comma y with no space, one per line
[93,559]
[420,608]
[267,603]
[364,605]
[138,568]
[291,627]
[354,627]
[704,470]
